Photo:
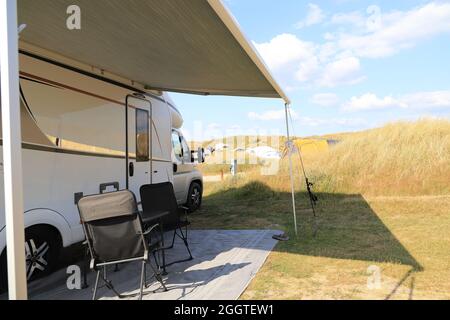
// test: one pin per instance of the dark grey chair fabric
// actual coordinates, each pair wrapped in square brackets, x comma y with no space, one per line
[113,226]
[114,233]
[108,205]
[160,198]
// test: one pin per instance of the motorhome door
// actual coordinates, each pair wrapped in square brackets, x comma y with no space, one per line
[138,163]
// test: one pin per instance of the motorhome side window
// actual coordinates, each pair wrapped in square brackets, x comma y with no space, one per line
[176,143]
[142,139]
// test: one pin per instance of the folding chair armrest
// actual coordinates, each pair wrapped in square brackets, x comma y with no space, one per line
[93,265]
[149,230]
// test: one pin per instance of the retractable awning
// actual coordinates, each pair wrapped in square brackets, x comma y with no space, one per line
[193,46]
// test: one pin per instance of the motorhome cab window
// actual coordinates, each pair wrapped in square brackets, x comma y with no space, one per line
[177,148]
[186,151]
[142,139]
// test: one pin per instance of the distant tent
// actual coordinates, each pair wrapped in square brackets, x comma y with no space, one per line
[309,146]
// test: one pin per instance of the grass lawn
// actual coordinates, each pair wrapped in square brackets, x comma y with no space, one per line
[405,238]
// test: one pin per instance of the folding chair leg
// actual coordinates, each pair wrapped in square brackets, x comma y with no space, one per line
[110,286]
[173,239]
[163,248]
[185,240]
[142,280]
[158,277]
[164,265]
[184,237]
[96,285]
[156,260]
[84,270]
[188,249]
[145,276]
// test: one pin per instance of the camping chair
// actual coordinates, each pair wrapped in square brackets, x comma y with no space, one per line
[114,235]
[157,199]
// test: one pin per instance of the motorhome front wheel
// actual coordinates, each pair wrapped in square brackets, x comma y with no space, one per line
[195,197]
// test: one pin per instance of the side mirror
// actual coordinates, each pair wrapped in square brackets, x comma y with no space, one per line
[175,168]
[201,155]
[192,156]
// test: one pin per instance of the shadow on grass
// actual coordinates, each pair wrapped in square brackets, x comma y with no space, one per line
[348,227]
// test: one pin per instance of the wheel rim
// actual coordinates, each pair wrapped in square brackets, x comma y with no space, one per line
[36,259]
[196,196]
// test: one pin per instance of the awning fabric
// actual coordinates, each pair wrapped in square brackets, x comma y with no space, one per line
[192,46]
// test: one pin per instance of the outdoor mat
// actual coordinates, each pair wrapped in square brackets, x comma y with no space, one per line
[224,264]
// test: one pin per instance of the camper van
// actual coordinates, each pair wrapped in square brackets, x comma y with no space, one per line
[87,132]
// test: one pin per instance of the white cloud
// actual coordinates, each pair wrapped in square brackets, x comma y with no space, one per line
[370,101]
[296,61]
[428,100]
[342,71]
[337,60]
[325,99]
[354,19]
[285,49]
[315,16]
[271,115]
[307,69]
[399,30]
[418,100]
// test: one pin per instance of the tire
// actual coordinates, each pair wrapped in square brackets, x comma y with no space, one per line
[42,247]
[195,195]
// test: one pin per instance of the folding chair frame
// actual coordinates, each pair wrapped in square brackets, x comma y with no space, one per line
[153,207]
[184,237]
[100,268]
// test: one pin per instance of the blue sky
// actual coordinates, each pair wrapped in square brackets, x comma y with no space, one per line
[347,65]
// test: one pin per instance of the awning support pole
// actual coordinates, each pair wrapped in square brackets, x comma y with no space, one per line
[12,150]
[291,168]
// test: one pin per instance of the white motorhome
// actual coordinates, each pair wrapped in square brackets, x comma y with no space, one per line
[85,132]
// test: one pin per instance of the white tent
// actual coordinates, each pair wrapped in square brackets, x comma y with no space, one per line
[193,46]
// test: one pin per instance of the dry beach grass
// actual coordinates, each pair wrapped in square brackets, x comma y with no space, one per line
[384,205]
